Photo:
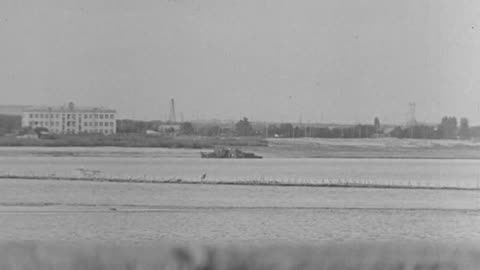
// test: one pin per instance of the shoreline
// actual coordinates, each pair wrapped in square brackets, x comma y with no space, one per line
[269,152]
[322,184]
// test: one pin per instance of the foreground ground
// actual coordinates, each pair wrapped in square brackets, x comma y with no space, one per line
[353,256]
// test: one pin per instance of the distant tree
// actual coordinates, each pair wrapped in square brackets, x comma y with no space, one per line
[187,128]
[39,130]
[320,132]
[298,132]
[376,124]
[10,124]
[397,132]
[136,126]
[464,131]
[448,128]
[286,130]
[244,128]
[214,131]
[474,132]
[273,131]
[336,133]
[210,130]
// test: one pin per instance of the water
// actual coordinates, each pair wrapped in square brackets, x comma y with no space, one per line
[139,212]
[425,172]
[127,212]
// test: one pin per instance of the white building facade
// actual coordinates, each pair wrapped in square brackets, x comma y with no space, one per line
[71,120]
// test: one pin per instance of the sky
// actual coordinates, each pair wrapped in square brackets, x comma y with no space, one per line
[269,60]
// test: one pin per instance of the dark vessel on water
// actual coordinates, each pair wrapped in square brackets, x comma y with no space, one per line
[222,152]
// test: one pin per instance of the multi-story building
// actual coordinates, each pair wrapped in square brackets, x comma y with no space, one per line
[71,119]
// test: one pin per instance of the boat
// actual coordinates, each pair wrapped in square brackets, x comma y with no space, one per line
[223,152]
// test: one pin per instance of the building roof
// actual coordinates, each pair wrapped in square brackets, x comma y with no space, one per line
[68,109]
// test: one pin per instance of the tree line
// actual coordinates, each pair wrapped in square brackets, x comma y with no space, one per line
[448,128]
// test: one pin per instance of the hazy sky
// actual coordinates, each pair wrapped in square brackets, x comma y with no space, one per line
[322,60]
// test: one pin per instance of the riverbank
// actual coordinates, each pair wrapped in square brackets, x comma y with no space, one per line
[133,140]
[190,147]
[386,148]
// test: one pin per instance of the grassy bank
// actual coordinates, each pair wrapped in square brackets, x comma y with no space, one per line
[135,140]
[29,256]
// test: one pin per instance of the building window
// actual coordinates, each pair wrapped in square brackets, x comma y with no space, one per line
[101,116]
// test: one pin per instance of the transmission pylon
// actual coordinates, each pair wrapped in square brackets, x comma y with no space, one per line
[171,116]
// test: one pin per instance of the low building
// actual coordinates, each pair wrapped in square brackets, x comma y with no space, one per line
[71,119]
[169,128]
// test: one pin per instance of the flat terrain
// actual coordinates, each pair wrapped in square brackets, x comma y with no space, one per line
[370,148]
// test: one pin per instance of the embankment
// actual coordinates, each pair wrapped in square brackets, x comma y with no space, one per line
[134,140]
